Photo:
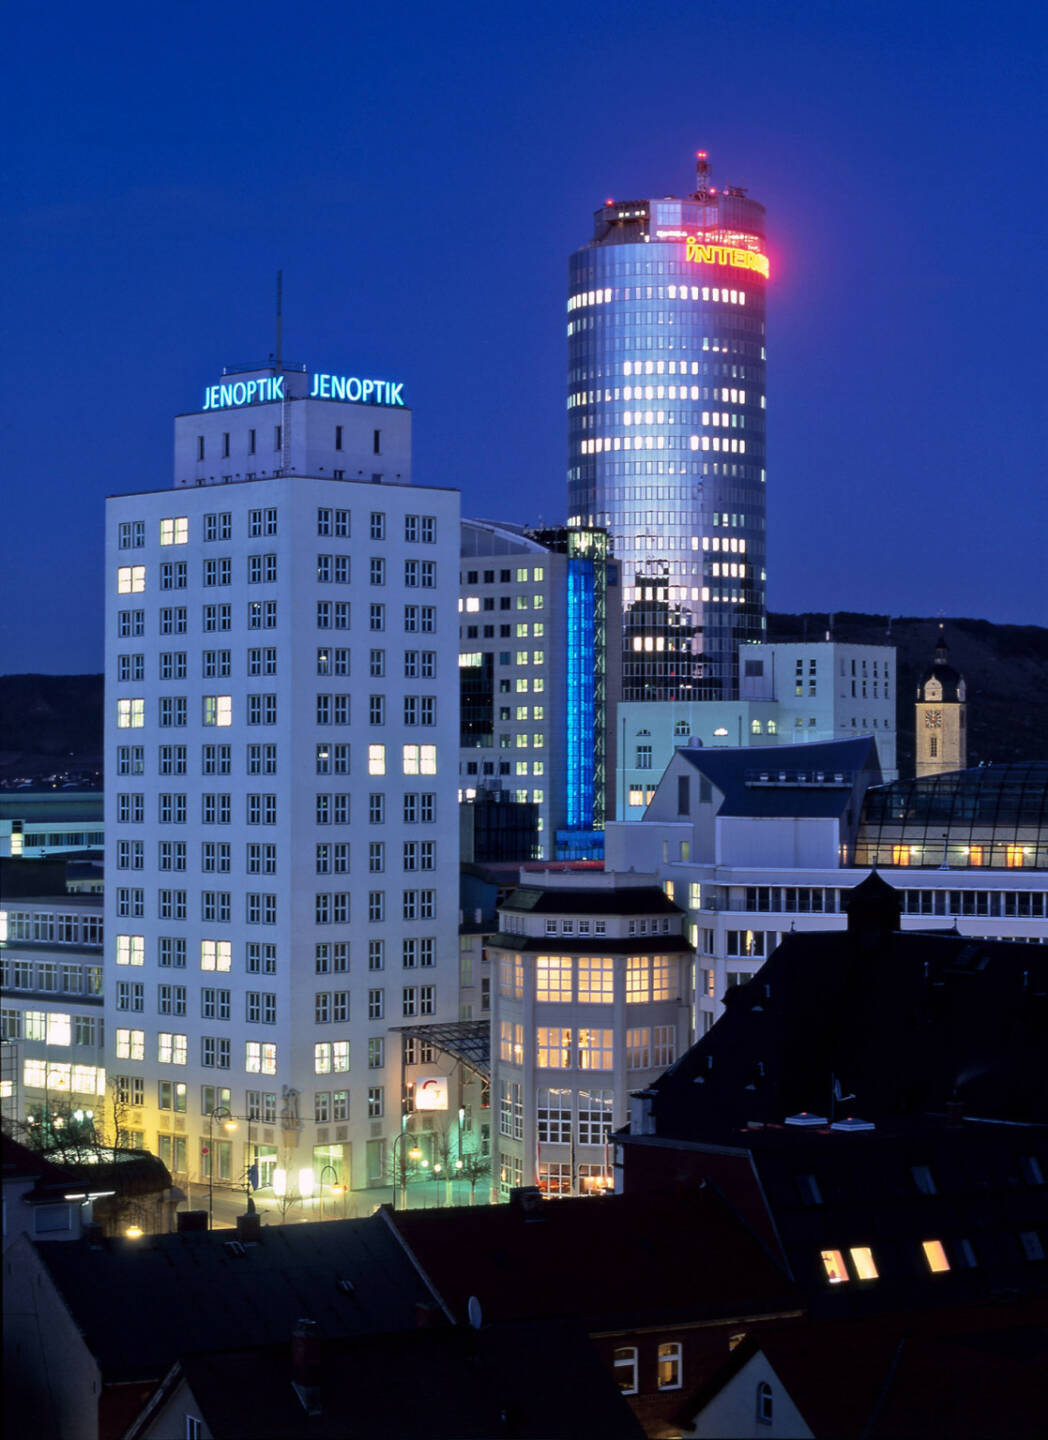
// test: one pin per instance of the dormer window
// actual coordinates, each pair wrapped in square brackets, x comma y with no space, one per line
[551,927]
[567,927]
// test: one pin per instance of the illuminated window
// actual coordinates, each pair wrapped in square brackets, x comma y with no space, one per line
[596,980]
[376,759]
[174,532]
[901,854]
[216,954]
[862,1259]
[976,855]
[218,710]
[553,978]
[59,1029]
[171,1049]
[420,759]
[638,981]
[595,1049]
[553,1048]
[1013,857]
[260,1058]
[130,714]
[131,579]
[833,1264]
[935,1255]
[663,978]
[511,1042]
[130,949]
[669,1367]
[511,976]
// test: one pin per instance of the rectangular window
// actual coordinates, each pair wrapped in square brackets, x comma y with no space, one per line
[596,980]
[553,1047]
[172,1049]
[595,1049]
[668,1370]
[217,710]
[131,623]
[173,620]
[260,1058]
[217,618]
[262,615]
[553,978]
[131,579]
[834,1268]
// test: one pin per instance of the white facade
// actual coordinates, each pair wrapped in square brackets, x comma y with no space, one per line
[281,735]
[826,691]
[52,1018]
[590,1000]
[748,879]
[36,824]
[789,695]
[330,438]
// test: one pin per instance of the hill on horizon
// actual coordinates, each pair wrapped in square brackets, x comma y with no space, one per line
[53,723]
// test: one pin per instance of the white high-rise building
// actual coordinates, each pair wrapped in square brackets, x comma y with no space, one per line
[281,778]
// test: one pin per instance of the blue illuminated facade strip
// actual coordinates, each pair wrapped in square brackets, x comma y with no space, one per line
[580,718]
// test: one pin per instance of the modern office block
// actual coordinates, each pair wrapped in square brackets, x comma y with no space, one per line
[537,688]
[666,406]
[280,782]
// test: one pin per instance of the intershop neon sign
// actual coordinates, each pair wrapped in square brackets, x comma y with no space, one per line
[702,254]
[324,387]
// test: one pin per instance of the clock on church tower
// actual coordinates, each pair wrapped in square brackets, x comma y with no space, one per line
[941,716]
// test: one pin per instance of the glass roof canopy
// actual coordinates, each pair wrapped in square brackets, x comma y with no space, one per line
[994,817]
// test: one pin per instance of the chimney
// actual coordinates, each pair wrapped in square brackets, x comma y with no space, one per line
[526,1200]
[249,1228]
[305,1365]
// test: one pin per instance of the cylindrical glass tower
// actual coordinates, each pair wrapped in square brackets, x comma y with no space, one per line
[666,429]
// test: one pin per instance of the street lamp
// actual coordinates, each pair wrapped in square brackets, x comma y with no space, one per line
[223,1113]
[413,1154]
[336,1189]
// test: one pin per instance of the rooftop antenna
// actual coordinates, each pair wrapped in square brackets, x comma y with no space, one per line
[703,174]
[280,320]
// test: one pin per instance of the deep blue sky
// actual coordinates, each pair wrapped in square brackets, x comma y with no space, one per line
[421,173]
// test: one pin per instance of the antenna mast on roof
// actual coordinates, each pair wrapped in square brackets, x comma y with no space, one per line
[280,319]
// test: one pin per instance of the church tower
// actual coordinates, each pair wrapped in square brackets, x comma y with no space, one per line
[942,716]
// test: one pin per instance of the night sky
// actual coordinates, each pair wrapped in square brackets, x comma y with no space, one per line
[421,173]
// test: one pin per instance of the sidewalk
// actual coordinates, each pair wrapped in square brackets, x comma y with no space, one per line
[229,1202]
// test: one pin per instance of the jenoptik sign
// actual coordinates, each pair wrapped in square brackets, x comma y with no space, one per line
[355,388]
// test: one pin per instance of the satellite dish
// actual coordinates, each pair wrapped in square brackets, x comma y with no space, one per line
[473,1311]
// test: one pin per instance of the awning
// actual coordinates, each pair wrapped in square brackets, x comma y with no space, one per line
[465,1040]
